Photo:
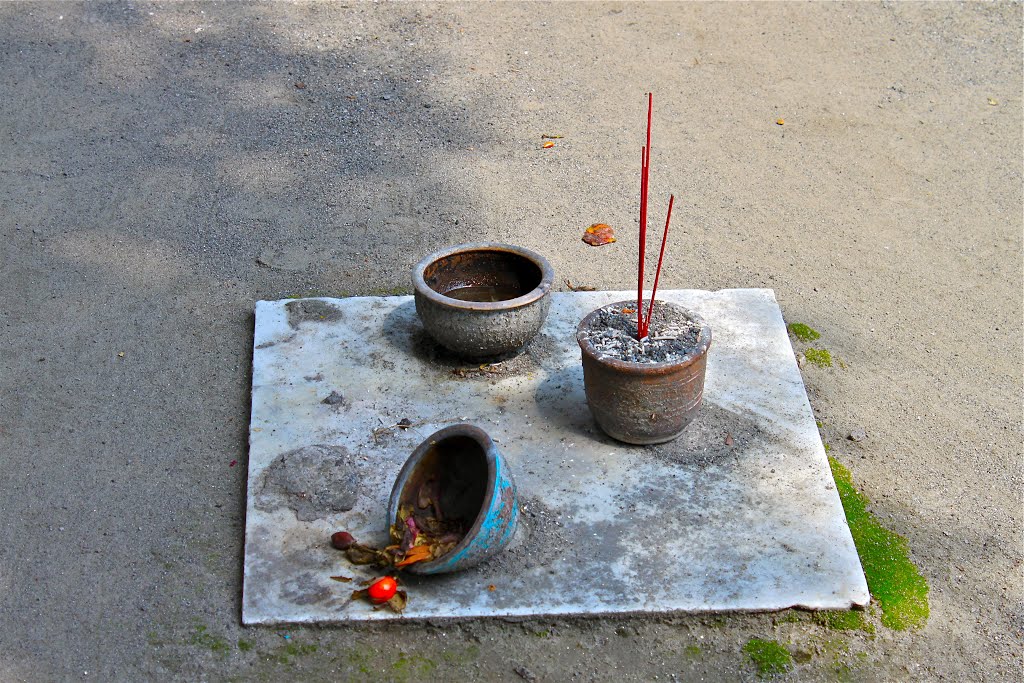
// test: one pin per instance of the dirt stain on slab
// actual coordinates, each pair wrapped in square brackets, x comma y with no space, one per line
[311,310]
[313,481]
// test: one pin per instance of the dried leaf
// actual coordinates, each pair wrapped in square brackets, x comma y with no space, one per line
[361,594]
[628,311]
[548,145]
[300,85]
[343,579]
[993,101]
[361,554]
[599,234]
[545,136]
[398,602]
[578,288]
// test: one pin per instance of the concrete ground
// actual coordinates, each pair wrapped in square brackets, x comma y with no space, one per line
[163,166]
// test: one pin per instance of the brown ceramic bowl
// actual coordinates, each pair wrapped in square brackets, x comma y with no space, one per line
[643,403]
[483,299]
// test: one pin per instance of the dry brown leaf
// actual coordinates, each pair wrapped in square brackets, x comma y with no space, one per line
[599,234]
[343,579]
[361,554]
[578,288]
[398,602]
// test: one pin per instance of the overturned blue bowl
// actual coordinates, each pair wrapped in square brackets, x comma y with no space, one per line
[462,468]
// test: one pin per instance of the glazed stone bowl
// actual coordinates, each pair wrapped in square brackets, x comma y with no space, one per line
[471,481]
[483,299]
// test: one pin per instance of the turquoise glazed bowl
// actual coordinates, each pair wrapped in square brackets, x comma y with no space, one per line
[464,471]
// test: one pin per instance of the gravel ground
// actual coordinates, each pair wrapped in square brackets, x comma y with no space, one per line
[166,165]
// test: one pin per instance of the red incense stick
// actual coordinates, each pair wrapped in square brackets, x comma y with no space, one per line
[657,273]
[645,168]
[643,245]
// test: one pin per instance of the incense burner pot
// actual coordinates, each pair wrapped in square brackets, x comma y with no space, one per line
[483,299]
[472,482]
[642,402]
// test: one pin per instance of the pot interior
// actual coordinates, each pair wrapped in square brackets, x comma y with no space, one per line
[448,484]
[483,275]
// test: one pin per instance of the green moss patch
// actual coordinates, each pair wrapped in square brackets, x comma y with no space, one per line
[894,581]
[803,332]
[850,620]
[214,643]
[413,667]
[770,657]
[289,651]
[820,357]
[463,656]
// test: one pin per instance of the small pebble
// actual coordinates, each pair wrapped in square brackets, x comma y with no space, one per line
[525,673]
[857,434]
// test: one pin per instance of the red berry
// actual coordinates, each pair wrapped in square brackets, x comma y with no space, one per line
[342,540]
[383,590]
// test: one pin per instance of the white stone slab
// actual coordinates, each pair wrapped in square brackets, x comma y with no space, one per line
[689,526]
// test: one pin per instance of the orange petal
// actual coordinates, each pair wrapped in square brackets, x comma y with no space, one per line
[416,553]
[548,144]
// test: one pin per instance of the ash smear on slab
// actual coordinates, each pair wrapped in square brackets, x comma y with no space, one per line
[308,588]
[716,435]
[313,481]
[540,539]
[311,310]
[269,344]
[674,333]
